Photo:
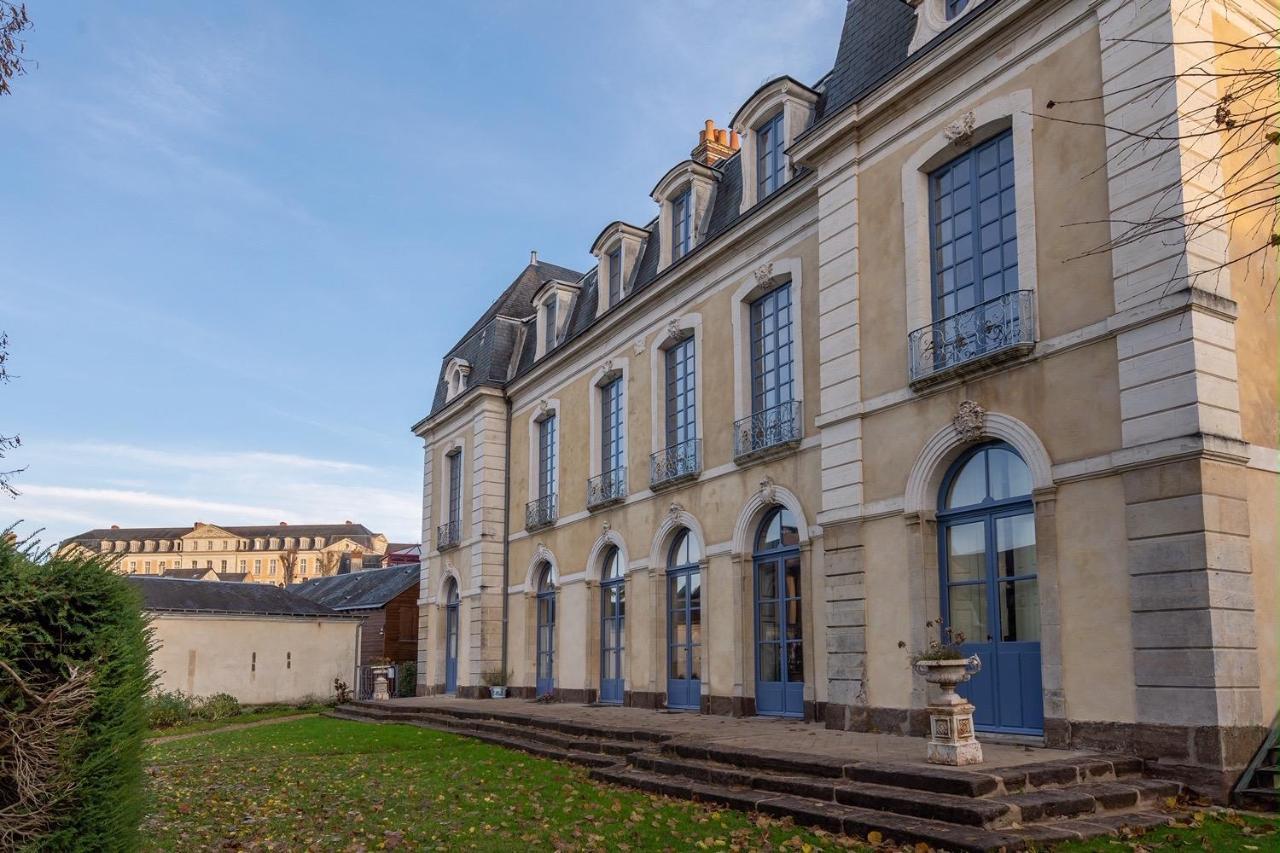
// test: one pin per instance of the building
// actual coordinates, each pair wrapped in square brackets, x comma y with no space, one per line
[386,600]
[402,553]
[261,554]
[257,642]
[866,369]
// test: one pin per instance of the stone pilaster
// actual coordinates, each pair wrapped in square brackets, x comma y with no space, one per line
[845,597]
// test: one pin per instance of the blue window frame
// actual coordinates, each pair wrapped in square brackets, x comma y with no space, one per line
[779,617]
[612,441]
[772,382]
[769,158]
[455,488]
[615,276]
[973,228]
[549,332]
[955,7]
[684,623]
[451,636]
[613,616]
[681,224]
[682,403]
[546,638]
[547,456]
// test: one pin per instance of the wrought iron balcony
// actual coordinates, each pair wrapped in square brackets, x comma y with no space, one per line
[769,431]
[609,488]
[448,535]
[540,513]
[996,330]
[676,464]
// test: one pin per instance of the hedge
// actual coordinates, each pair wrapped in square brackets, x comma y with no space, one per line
[61,615]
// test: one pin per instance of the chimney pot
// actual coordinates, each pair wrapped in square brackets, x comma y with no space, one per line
[115,527]
[533,259]
[722,136]
[734,142]
[284,524]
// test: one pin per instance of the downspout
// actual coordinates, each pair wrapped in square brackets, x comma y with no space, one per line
[506,541]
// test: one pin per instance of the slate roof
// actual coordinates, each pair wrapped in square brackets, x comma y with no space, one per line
[873,48]
[356,532]
[183,595]
[359,590]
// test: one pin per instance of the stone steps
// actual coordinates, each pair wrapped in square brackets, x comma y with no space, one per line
[1071,798]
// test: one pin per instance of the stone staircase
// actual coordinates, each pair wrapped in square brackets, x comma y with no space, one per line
[1010,808]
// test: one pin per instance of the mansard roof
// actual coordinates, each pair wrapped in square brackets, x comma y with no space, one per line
[93,538]
[873,47]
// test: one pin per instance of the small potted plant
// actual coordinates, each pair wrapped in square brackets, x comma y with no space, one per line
[496,681]
[944,663]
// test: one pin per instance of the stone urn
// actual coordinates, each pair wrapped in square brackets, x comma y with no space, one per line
[498,691]
[381,683]
[951,735]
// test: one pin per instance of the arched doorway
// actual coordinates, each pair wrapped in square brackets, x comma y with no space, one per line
[451,605]
[684,623]
[990,589]
[546,642]
[779,635]
[613,615]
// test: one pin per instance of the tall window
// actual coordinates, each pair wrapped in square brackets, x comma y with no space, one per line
[974,237]
[615,276]
[611,433]
[547,457]
[681,393]
[549,333]
[455,487]
[772,383]
[769,158]
[681,224]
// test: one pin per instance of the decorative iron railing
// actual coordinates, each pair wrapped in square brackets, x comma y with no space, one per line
[448,536]
[1000,327]
[676,463]
[610,487]
[767,431]
[540,512]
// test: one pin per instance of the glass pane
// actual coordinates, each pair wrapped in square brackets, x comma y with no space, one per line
[769,629]
[970,485]
[767,575]
[968,611]
[793,578]
[676,661]
[770,665]
[795,662]
[1016,545]
[967,551]
[1019,611]
[1009,475]
[695,668]
[794,629]
[695,588]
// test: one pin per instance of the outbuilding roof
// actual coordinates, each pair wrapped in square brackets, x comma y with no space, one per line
[185,595]
[365,590]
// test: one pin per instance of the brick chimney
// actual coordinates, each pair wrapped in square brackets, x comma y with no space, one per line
[714,144]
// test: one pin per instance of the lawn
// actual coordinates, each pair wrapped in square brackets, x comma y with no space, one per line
[325,784]
[249,715]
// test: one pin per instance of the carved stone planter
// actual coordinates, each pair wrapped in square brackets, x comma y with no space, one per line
[381,683]
[951,735]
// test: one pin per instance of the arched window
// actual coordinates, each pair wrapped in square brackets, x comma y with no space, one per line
[989,583]
[778,530]
[779,616]
[451,630]
[685,550]
[613,614]
[546,627]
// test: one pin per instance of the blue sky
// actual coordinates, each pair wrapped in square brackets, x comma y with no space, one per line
[238,237]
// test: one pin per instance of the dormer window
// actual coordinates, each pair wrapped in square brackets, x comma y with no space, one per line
[767,123]
[616,249]
[455,377]
[555,306]
[682,224]
[615,276]
[549,325]
[934,16]
[770,160]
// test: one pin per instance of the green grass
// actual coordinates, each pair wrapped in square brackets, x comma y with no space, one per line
[328,784]
[1219,831]
[249,715]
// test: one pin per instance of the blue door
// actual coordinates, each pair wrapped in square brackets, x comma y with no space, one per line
[778,609]
[613,615]
[546,650]
[990,591]
[684,624]
[451,638]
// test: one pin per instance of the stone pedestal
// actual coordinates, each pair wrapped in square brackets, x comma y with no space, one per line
[381,691]
[951,738]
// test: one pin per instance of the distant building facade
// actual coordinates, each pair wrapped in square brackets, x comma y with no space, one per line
[253,554]
[866,371]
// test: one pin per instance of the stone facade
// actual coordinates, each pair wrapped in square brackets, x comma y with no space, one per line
[1146,435]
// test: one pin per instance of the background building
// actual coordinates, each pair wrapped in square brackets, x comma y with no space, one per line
[274,554]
